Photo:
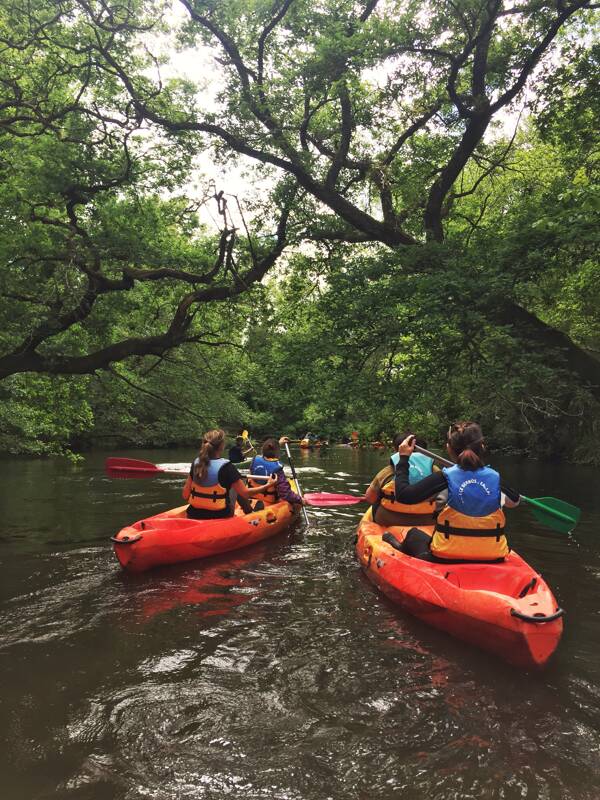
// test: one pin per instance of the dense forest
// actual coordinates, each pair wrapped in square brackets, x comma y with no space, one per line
[281,215]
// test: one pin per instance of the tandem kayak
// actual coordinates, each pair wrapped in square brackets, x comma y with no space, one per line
[171,537]
[506,609]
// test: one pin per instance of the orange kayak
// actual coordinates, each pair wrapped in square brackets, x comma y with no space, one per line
[506,609]
[171,537]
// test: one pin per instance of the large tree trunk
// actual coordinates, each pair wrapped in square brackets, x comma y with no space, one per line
[580,362]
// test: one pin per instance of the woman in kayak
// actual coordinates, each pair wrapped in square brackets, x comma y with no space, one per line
[470,526]
[214,482]
[385,509]
[268,464]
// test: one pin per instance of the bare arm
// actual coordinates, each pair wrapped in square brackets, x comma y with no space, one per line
[245,491]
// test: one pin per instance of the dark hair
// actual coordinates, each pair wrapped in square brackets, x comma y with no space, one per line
[270,448]
[400,437]
[239,440]
[209,446]
[466,441]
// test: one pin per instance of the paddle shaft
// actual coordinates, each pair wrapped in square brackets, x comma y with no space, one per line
[445,461]
[142,471]
[289,455]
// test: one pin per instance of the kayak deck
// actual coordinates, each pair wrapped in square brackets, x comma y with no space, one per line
[171,537]
[506,609]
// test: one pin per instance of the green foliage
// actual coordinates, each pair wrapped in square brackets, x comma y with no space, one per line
[100,242]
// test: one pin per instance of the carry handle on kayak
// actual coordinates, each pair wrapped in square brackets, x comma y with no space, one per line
[535,618]
[550,511]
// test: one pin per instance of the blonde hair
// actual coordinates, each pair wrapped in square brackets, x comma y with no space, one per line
[209,447]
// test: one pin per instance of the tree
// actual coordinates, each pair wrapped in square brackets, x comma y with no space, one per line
[94,209]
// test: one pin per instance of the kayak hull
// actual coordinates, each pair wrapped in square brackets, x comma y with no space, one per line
[506,609]
[170,537]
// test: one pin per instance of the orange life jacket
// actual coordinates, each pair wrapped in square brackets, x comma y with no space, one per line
[425,510]
[459,536]
[208,494]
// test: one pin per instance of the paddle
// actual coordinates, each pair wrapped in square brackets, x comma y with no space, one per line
[556,514]
[333,499]
[295,477]
[124,468]
[246,438]
[134,468]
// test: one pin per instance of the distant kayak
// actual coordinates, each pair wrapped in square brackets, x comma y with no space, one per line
[506,609]
[171,537]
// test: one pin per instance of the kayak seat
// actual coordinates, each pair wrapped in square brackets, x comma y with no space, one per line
[391,540]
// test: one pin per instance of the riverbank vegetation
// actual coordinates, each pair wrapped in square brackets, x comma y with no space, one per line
[414,238]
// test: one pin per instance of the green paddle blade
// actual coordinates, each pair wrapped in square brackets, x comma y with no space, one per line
[554,513]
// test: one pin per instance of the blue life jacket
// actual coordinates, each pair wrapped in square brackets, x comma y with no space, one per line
[264,466]
[419,466]
[475,493]
[212,472]
[208,494]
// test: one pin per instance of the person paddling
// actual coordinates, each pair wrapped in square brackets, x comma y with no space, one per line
[214,483]
[470,526]
[385,509]
[237,452]
[268,464]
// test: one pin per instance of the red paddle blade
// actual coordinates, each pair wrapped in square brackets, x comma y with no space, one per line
[332,499]
[130,468]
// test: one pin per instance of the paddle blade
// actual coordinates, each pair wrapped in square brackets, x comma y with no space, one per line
[123,468]
[554,513]
[331,499]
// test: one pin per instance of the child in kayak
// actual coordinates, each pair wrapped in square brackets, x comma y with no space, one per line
[268,464]
[214,483]
[385,509]
[470,526]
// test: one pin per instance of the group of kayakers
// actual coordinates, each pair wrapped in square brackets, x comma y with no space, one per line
[214,484]
[464,502]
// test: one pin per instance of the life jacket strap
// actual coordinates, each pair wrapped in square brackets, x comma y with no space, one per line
[450,530]
[214,496]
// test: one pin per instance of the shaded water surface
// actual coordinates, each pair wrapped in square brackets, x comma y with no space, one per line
[276,671]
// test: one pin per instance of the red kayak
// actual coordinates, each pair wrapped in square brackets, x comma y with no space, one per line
[506,609]
[171,537]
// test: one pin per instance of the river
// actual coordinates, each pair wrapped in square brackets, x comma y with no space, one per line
[277,671]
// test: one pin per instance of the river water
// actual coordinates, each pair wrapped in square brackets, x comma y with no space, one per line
[277,671]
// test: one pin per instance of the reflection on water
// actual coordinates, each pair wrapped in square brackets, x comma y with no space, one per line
[278,671]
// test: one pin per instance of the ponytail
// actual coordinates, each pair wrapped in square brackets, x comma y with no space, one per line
[469,459]
[211,442]
[466,441]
